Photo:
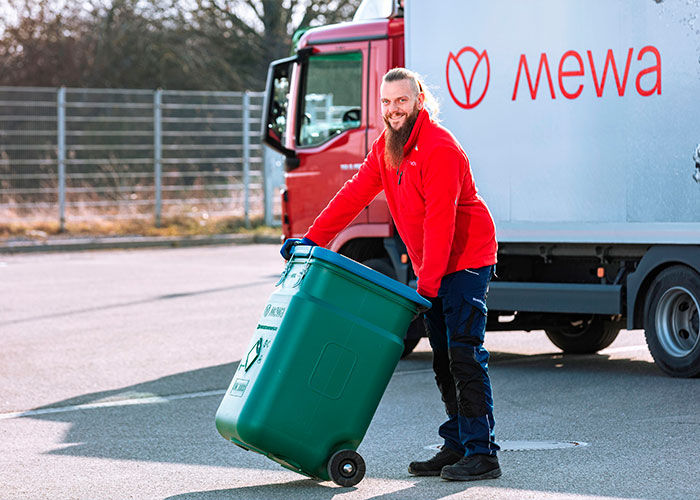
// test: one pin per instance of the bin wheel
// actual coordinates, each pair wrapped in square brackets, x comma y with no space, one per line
[346,468]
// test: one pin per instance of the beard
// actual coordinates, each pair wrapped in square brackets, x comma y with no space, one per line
[395,140]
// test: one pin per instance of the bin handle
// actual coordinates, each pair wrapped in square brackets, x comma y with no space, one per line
[300,277]
[284,273]
[302,273]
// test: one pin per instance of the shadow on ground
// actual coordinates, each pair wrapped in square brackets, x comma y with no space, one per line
[182,431]
[172,431]
[418,488]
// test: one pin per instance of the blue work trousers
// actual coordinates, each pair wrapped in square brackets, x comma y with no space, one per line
[456,325]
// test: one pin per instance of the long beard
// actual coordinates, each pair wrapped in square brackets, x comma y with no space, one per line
[395,140]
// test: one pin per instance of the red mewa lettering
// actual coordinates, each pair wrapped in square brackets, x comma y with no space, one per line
[565,74]
[656,68]
[533,89]
[572,68]
[610,61]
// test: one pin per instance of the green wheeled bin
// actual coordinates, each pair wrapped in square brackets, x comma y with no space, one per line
[317,366]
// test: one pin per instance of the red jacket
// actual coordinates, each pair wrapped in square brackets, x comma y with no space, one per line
[432,198]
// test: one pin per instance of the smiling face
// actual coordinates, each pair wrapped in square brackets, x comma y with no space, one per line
[400,100]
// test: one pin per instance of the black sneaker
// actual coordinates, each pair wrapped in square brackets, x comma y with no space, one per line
[433,466]
[473,468]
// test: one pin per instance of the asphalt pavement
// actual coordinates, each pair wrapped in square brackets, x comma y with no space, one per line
[113,363]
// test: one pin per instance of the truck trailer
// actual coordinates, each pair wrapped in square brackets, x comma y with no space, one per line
[581,120]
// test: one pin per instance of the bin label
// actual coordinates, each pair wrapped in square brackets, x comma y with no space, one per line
[274,311]
[239,387]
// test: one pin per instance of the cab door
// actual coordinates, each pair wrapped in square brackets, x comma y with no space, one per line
[330,129]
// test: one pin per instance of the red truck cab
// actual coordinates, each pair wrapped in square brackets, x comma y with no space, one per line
[323,115]
[322,112]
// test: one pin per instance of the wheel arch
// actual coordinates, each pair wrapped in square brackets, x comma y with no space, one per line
[655,260]
[361,249]
[344,239]
[361,243]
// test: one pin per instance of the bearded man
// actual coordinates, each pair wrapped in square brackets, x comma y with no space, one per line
[451,241]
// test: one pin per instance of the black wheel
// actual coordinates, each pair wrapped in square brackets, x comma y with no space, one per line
[346,468]
[416,329]
[382,266]
[584,335]
[671,321]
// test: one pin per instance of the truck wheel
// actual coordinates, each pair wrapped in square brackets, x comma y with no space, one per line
[671,321]
[416,329]
[382,266]
[346,468]
[585,336]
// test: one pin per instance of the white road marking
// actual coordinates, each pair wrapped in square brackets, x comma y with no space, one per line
[221,392]
[624,348]
[135,401]
[112,404]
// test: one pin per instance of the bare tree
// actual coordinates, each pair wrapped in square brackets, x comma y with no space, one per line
[247,34]
[45,45]
[206,44]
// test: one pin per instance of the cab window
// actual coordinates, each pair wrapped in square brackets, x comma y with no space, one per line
[332,97]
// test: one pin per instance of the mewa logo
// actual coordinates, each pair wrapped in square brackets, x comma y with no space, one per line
[460,88]
[468,74]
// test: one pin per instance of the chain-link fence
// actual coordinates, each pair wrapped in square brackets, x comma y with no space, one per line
[84,154]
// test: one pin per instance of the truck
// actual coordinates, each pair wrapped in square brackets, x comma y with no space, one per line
[581,120]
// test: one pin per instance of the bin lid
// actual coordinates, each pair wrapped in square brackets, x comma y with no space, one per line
[362,271]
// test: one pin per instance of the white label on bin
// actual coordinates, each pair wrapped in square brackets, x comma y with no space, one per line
[239,387]
[274,311]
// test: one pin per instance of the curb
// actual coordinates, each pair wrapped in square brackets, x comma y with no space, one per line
[80,244]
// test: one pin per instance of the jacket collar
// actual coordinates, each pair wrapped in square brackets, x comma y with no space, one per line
[413,138]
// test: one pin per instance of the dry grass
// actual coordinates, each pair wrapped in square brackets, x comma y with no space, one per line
[172,226]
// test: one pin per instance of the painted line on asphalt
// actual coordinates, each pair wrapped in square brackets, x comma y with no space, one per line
[135,401]
[527,445]
[406,372]
[626,348]
[557,355]
[111,404]
[221,392]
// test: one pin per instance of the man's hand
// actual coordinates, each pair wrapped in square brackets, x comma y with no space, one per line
[290,243]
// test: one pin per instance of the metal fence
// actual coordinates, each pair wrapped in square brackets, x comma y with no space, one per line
[73,154]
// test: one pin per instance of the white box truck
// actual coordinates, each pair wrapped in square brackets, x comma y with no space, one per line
[581,119]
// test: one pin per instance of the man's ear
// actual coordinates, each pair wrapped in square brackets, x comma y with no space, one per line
[421,100]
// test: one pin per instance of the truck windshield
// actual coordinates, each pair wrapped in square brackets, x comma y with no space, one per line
[332,98]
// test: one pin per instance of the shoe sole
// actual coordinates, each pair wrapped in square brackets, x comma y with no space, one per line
[424,472]
[492,474]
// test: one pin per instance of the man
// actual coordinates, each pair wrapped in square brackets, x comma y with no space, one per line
[450,238]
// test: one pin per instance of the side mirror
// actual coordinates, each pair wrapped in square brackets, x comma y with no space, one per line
[275,106]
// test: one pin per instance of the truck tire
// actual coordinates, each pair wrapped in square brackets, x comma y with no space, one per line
[671,320]
[586,336]
[416,329]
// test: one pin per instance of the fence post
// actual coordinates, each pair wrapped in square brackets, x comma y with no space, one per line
[246,156]
[158,152]
[267,182]
[61,157]
[274,177]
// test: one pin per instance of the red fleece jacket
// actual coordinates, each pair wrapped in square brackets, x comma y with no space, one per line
[432,198]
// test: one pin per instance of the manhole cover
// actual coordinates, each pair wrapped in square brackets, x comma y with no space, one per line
[529,445]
